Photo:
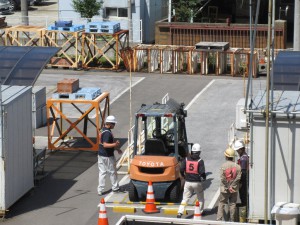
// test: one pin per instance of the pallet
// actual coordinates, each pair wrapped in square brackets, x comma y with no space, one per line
[71,29]
[96,30]
[104,25]
[82,93]
[87,93]
[213,45]
[61,23]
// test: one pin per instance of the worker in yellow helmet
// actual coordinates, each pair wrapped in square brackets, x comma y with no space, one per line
[230,179]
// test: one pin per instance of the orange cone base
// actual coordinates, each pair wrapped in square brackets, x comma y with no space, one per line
[152,211]
[103,222]
[150,208]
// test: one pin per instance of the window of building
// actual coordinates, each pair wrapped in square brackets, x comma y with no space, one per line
[111,11]
[117,12]
[123,12]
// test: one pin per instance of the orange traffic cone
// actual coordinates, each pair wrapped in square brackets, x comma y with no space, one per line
[150,200]
[197,213]
[102,220]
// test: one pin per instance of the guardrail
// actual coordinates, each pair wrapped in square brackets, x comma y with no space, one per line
[146,220]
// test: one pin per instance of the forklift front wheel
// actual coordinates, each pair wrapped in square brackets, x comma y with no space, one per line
[132,192]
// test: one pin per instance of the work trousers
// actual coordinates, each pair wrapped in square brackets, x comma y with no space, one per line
[189,189]
[244,188]
[230,199]
[107,165]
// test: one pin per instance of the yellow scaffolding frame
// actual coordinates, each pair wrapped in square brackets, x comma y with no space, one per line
[69,42]
[56,117]
[97,45]
[22,35]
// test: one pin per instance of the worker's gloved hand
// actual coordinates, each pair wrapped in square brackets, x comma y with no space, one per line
[231,190]
[203,175]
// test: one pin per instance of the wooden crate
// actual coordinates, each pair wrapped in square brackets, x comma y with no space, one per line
[68,85]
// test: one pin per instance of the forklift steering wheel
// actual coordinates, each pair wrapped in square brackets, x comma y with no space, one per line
[170,136]
[155,132]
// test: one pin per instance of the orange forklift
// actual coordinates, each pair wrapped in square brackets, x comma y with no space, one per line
[160,144]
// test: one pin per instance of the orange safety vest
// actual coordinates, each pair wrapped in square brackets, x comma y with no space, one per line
[192,166]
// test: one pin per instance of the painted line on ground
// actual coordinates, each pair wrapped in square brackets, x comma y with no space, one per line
[214,200]
[119,95]
[122,182]
[216,196]
[198,95]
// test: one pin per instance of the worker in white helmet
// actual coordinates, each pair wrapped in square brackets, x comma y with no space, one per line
[193,170]
[243,161]
[230,179]
[106,157]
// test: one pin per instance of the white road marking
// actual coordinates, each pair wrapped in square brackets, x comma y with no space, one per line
[122,182]
[119,95]
[198,95]
[216,196]
[214,200]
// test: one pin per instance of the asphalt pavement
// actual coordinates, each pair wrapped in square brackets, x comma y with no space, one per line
[68,192]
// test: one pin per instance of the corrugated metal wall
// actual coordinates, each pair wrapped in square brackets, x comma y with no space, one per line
[17,175]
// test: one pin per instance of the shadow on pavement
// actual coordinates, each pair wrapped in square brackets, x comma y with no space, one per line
[61,169]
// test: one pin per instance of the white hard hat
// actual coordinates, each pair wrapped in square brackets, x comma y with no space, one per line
[238,144]
[196,148]
[110,119]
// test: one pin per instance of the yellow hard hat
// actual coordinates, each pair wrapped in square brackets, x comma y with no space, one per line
[229,152]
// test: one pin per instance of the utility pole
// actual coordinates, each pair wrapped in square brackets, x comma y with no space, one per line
[24,12]
[296,26]
[129,20]
[266,192]
[170,11]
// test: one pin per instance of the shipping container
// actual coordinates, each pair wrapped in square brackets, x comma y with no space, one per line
[16,154]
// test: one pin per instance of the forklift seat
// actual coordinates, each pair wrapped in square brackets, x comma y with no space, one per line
[155,147]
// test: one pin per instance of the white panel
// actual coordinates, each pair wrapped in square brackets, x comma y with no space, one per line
[257,172]
[115,3]
[39,96]
[17,146]
[65,5]
[2,183]
[297,162]
[38,102]
[241,118]
[284,164]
